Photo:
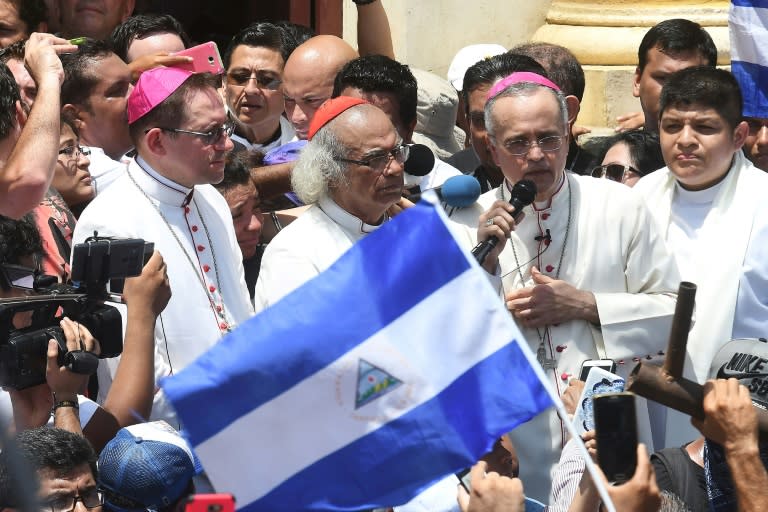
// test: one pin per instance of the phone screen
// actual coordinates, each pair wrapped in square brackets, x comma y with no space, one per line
[465,479]
[616,435]
[608,365]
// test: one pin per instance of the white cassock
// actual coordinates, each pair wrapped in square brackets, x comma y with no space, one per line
[287,134]
[613,250]
[727,249]
[306,247]
[104,171]
[196,238]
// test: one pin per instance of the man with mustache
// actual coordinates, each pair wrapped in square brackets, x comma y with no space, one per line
[351,172]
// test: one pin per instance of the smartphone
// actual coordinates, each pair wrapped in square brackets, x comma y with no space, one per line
[608,365]
[598,382]
[210,503]
[465,479]
[616,435]
[205,58]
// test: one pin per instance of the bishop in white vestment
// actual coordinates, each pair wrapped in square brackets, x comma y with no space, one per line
[165,198]
[585,272]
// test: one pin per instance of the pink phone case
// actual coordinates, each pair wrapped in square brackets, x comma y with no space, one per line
[210,503]
[205,57]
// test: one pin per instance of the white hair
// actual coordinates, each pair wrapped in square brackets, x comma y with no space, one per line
[522,89]
[317,169]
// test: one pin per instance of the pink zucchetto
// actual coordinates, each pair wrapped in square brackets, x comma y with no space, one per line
[521,77]
[153,87]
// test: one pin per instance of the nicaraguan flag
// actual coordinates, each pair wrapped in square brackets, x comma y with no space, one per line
[393,368]
[748,22]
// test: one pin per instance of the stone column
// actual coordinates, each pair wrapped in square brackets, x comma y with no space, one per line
[605,34]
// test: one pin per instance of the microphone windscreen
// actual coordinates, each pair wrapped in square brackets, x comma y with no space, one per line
[460,191]
[524,191]
[420,161]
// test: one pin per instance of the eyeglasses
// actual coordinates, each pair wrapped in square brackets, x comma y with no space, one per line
[477,119]
[615,172]
[210,137]
[381,162]
[92,498]
[521,147]
[74,151]
[263,79]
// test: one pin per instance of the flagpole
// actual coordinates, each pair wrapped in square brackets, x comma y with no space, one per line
[590,466]
[534,363]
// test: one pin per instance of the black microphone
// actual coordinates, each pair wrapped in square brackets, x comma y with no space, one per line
[523,194]
[457,191]
[420,161]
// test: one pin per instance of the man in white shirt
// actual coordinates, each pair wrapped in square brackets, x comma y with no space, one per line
[254,62]
[94,95]
[351,172]
[585,273]
[707,202]
[180,129]
[393,88]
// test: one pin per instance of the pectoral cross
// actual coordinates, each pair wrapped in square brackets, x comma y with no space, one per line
[544,361]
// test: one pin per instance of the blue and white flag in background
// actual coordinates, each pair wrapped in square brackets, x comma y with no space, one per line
[395,367]
[748,23]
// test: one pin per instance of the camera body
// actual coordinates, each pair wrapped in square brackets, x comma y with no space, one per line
[95,262]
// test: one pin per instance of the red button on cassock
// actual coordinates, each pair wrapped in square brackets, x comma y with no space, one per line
[212,288]
[201,248]
[194,229]
[206,268]
[549,268]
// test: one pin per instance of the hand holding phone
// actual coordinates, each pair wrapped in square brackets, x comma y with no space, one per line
[205,59]
[616,435]
[598,382]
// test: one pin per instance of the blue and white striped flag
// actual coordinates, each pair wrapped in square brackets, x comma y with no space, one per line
[393,368]
[748,22]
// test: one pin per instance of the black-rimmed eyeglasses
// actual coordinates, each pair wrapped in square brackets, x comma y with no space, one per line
[380,162]
[210,137]
[91,498]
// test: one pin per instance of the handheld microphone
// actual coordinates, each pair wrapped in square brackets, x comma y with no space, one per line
[457,191]
[523,194]
[420,161]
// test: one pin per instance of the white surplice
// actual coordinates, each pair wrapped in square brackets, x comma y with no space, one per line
[194,319]
[728,248]
[306,247]
[614,250]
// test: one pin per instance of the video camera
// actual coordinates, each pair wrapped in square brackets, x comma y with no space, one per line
[94,263]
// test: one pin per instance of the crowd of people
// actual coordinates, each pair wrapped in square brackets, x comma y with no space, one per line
[251,182]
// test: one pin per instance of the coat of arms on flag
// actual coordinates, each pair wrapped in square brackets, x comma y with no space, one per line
[372,382]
